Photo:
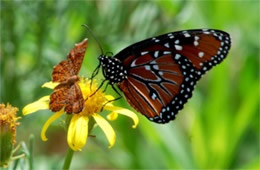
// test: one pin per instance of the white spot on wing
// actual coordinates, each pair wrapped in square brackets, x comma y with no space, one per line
[178,47]
[166,52]
[186,35]
[147,67]
[167,45]
[144,52]
[196,37]
[177,56]
[156,67]
[156,53]
[201,54]
[154,96]
[133,64]
[153,62]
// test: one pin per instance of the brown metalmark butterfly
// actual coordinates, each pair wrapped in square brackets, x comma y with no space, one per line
[68,94]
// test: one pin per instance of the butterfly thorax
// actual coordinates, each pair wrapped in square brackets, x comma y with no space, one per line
[70,81]
[113,69]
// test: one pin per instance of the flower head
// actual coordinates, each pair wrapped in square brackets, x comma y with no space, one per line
[80,124]
[8,124]
[8,119]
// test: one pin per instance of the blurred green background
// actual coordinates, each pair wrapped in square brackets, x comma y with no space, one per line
[219,126]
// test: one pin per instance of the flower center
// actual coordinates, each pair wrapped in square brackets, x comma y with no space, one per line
[93,102]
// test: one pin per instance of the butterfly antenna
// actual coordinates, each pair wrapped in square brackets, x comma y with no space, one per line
[93,35]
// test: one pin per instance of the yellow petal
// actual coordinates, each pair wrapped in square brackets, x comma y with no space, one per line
[109,97]
[112,116]
[42,103]
[50,84]
[107,129]
[78,132]
[125,112]
[48,122]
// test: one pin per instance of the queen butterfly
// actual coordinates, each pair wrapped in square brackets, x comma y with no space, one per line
[158,75]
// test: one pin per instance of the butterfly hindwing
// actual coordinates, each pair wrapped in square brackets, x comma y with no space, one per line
[58,98]
[155,80]
[75,100]
[68,97]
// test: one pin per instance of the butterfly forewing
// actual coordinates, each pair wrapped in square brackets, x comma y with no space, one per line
[62,71]
[67,68]
[76,56]
[162,71]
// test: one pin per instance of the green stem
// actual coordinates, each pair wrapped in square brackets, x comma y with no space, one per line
[18,156]
[31,140]
[16,148]
[68,159]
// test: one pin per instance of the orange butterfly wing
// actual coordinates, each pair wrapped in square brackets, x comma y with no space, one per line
[162,71]
[67,68]
[68,94]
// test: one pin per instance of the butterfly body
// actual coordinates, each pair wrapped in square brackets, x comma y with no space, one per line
[160,73]
[69,82]
[112,68]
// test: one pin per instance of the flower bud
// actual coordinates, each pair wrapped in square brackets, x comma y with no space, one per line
[8,126]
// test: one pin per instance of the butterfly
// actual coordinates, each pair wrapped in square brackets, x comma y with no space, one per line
[67,93]
[157,75]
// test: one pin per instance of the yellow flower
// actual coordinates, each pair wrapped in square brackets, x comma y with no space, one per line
[8,124]
[79,124]
[8,120]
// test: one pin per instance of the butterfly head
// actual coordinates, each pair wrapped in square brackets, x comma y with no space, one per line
[113,69]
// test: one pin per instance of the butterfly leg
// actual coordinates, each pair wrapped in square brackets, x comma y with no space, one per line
[109,101]
[120,96]
[116,90]
[106,87]
[102,83]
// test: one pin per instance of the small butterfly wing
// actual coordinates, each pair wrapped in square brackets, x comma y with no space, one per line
[58,98]
[75,100]
[163,71]
[62,71]
[71,66]
[68,97]
[77,54]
